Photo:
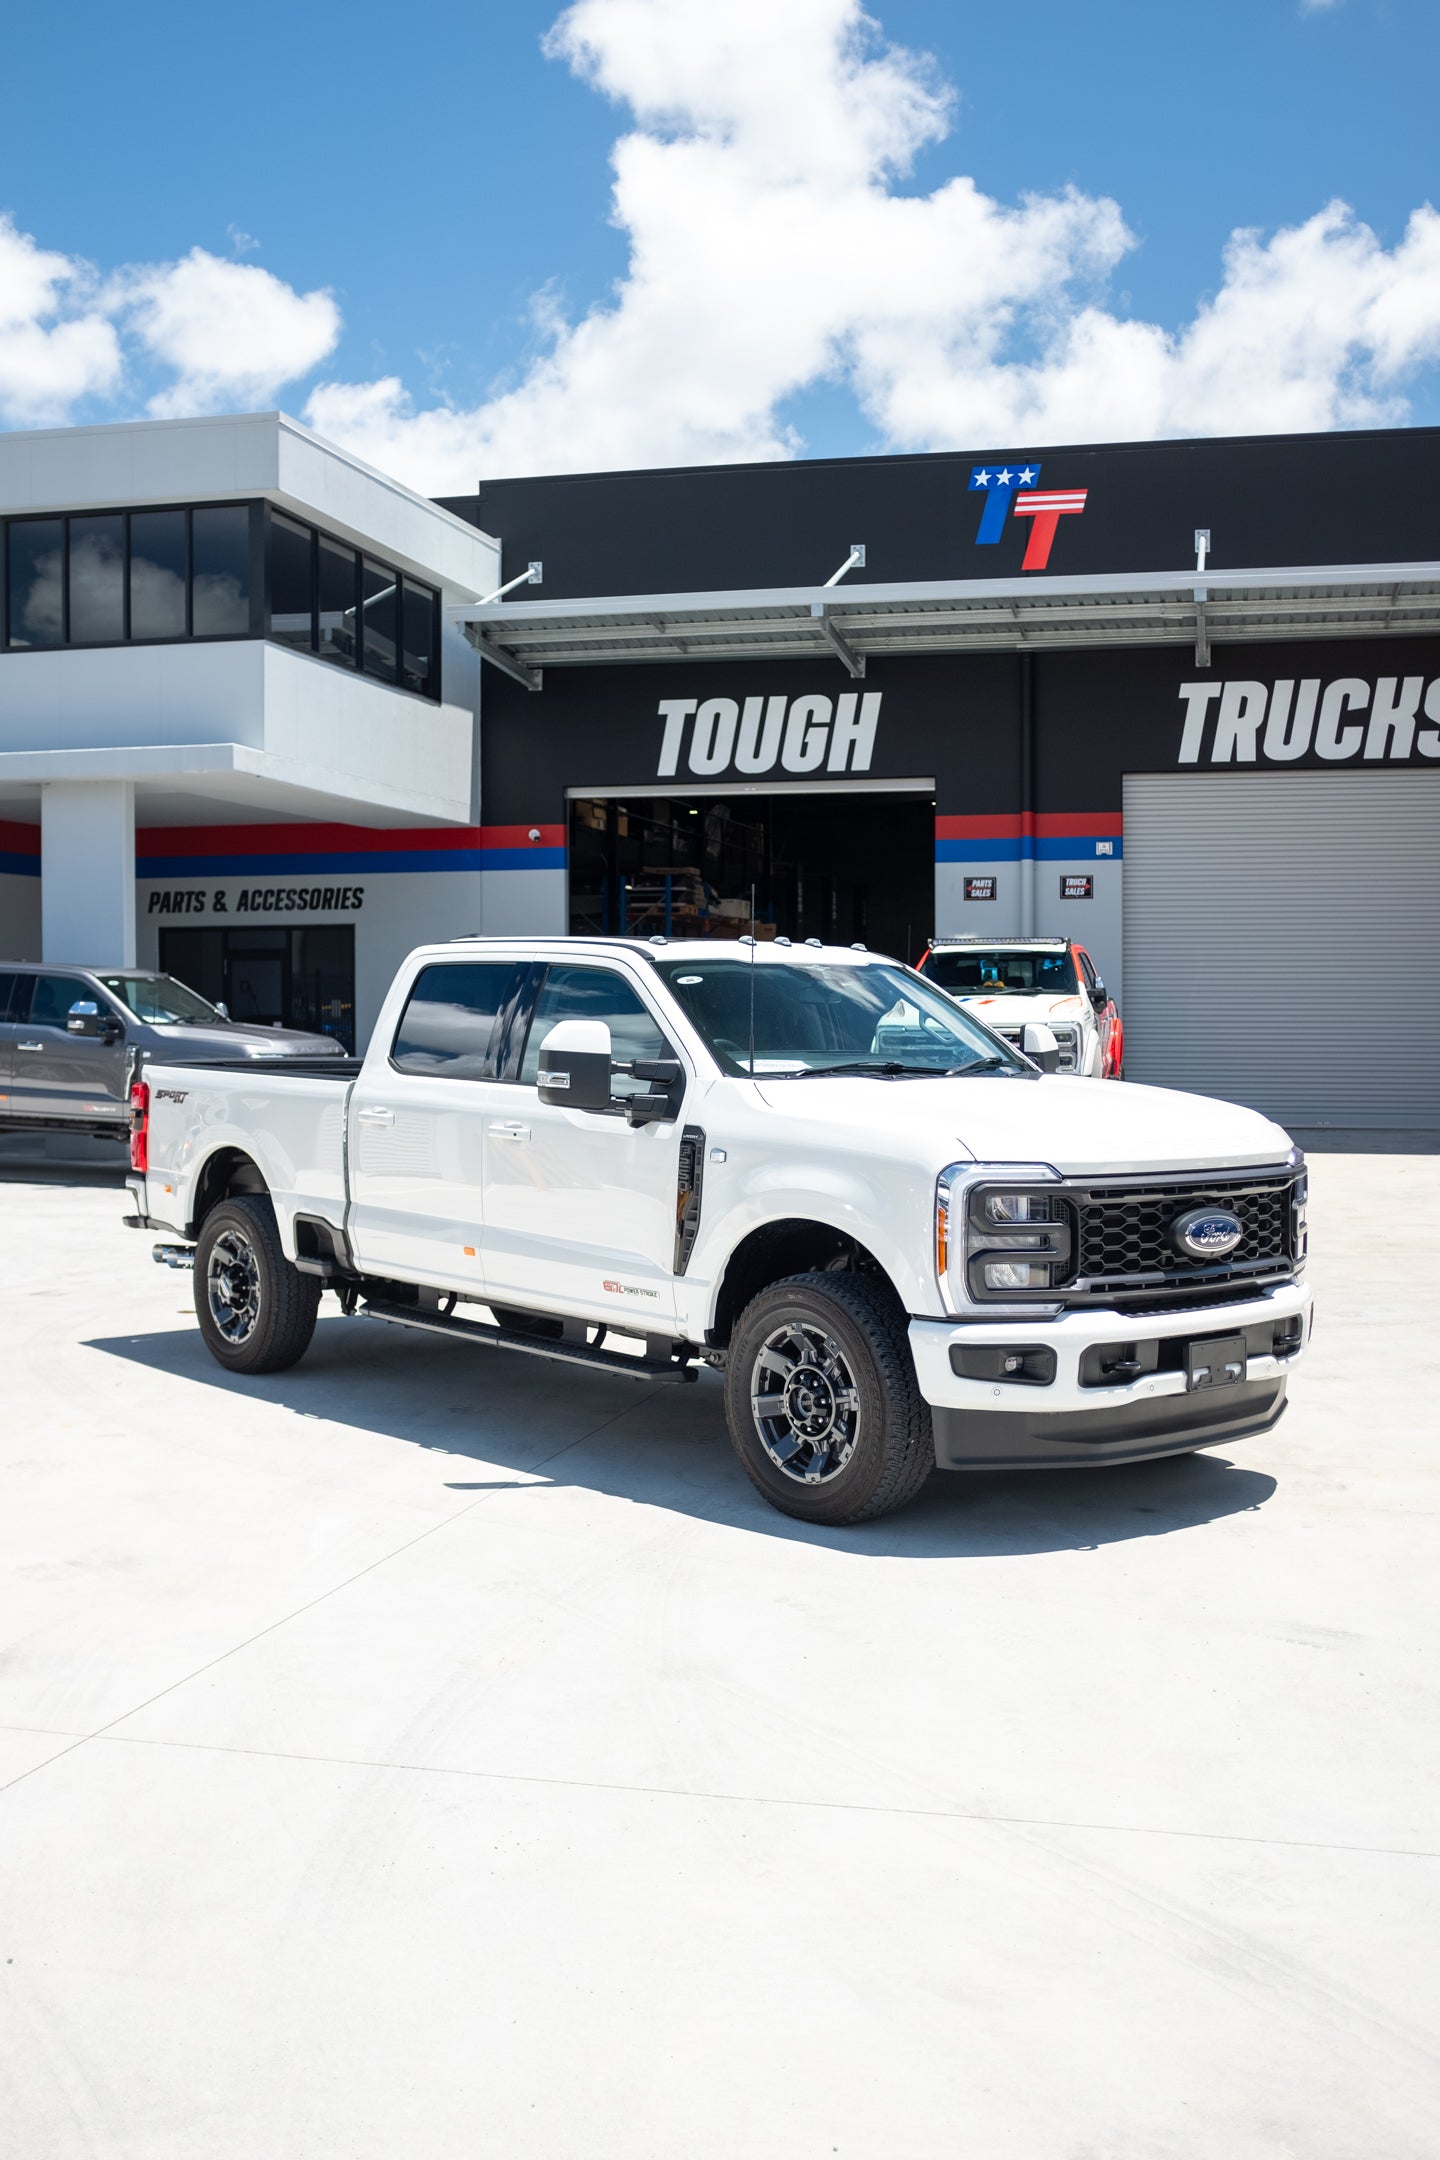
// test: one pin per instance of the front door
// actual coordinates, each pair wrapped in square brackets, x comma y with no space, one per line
[580,1205]
[9,985]
[57,1074]
[417,1125]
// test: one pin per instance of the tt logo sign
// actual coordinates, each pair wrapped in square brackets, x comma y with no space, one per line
[1012,488]
[801,735]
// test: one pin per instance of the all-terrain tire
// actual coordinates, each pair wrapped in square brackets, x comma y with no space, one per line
[891,1450]
[256,1310]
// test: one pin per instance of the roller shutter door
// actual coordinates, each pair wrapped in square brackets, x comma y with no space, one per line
[1282,942]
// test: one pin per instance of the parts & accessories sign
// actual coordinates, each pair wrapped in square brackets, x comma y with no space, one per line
[256,900]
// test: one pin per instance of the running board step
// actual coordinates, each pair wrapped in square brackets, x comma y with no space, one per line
[498,1338]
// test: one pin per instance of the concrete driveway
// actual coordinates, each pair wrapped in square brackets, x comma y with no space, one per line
[430,1753]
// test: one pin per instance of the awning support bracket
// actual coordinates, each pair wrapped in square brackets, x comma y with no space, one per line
[1202,628]
[529,678]
[837,641]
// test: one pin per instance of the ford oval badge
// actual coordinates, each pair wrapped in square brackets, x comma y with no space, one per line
[1206,1233]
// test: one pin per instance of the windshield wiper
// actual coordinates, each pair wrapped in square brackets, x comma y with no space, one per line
[893,1069]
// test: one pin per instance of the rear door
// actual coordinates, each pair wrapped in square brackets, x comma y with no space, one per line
[579,1205]
[57,1074]
[416,1124]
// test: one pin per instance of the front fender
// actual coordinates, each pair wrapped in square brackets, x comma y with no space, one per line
[888,1208]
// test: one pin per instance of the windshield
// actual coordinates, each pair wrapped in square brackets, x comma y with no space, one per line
[831,1017]
[995,970]
[160,998]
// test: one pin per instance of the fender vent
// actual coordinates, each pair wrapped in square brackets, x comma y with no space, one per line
[690,1178]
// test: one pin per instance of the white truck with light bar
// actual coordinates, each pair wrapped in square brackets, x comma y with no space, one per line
[902,1240]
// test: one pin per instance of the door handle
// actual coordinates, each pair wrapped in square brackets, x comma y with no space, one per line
[30,1046]
[375,1115]
[511,1132]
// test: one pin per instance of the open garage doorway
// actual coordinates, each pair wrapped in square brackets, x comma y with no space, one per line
[843,865]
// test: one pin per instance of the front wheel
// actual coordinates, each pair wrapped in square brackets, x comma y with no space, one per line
[256,1310]
[822,1402]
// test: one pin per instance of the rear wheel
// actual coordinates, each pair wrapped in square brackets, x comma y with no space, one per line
[256,1310]
[822,1401]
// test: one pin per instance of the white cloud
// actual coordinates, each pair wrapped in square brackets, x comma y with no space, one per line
[232,333]
[56,347]
[772,246]
[775,242]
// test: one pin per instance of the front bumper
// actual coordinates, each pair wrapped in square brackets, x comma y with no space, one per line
[983,1424]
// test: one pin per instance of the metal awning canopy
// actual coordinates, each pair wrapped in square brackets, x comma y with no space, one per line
[849,625]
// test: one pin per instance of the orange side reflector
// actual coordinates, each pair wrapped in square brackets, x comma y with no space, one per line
[469,1251]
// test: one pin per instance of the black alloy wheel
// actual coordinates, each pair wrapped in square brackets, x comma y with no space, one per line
[822,1402]
[256,1310]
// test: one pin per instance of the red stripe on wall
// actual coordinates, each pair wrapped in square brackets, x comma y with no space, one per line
[1043,824]
[301,839]
[19,839]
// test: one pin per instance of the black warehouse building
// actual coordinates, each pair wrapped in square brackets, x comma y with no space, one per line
[1181,700]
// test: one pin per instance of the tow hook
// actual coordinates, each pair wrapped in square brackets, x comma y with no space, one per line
[173,1255]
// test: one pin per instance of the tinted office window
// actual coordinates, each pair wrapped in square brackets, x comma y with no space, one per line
[448,1026]
[157,574]
[417,651]
[292,583]
[338,573]
[37,599]
[221,571]
[380,608]
[97,580]
[590,993]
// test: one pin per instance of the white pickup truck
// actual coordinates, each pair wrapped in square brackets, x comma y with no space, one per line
[903,1241]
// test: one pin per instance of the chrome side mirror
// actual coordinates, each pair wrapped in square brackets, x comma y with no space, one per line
[222,1008]
[84,1014]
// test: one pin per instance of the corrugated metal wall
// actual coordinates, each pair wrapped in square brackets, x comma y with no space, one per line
[1282,942]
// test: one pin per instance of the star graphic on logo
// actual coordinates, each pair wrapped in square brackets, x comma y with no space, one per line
[1028,476]
[1003,479]
[980,479]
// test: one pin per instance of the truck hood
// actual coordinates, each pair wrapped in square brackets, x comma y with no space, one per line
[1088,1127]
[239,1040]
[1013,1008]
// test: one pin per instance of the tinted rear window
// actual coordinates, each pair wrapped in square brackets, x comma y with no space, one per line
[454,1018]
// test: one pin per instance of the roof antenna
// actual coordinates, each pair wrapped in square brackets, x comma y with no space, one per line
[752,981]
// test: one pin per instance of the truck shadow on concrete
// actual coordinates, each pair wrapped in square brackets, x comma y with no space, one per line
[496,1420]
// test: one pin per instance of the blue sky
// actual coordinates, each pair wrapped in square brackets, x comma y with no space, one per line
[432,171]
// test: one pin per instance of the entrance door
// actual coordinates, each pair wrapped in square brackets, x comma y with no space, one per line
[580,1205]
[1280,941]
[850,864]
[417,1125]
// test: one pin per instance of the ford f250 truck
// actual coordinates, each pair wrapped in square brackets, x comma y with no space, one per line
[902,1240]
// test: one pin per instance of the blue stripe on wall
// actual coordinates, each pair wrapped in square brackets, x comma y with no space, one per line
[13,865]
[1070,848]
[429,860]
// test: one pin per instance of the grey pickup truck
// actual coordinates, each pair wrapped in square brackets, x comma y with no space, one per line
[70,1038]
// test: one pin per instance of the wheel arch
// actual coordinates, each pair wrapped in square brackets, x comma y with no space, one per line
[227,1172]
[789,1245]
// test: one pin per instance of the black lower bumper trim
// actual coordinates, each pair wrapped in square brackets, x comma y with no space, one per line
[1128,1432]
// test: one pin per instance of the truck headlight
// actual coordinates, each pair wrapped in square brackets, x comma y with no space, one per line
[1017,1238]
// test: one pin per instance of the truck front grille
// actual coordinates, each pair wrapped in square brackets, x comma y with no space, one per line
[1123,1241]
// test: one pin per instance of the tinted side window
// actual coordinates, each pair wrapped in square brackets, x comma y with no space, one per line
[8,998]
[592,993]
[52,997]
[449,1024]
